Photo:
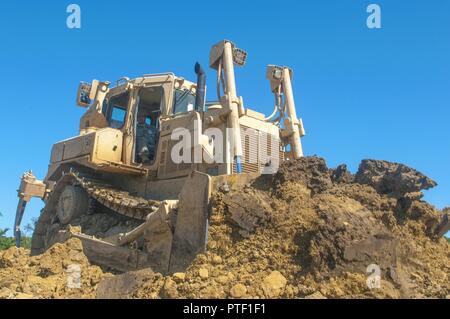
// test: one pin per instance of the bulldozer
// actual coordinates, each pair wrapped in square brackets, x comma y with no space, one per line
[135,184]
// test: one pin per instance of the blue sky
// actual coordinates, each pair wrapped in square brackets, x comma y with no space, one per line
[362,93]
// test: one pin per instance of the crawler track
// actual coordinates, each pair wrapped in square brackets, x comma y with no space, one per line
[116,200]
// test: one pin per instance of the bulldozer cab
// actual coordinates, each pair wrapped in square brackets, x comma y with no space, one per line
[138,107]
[143,118]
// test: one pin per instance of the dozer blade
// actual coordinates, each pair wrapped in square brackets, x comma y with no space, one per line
[107,254]
[191,228]
[173,234]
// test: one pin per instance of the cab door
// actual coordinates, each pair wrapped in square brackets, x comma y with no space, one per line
[184,117]
[149,106]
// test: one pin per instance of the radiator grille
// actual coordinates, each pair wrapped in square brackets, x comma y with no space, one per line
[258,150]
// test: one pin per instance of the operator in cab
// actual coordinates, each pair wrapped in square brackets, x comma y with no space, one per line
[145,138]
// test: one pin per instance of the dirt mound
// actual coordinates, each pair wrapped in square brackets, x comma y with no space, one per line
[309,232]
[61,272]
[306,232]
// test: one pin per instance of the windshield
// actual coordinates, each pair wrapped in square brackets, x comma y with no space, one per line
[184,101]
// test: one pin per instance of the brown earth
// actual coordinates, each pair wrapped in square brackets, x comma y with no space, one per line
[47,275]
[306,232]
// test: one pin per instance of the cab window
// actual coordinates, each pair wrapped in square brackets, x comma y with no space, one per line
[183,101]
[116,110]
[117,117]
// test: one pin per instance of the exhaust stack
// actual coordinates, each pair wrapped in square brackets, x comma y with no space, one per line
[201,88]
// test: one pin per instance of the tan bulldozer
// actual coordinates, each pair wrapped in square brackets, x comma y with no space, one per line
[135,185]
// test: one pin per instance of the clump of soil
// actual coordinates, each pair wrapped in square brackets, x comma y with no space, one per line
[392,178]
[306,232]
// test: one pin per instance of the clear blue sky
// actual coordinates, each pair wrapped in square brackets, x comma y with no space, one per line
[362,93]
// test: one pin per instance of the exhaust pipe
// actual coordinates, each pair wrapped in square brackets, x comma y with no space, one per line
[201,88]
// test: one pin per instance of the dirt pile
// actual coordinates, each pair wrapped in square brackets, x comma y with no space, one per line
[61,272]
[313,232]
[306,232]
